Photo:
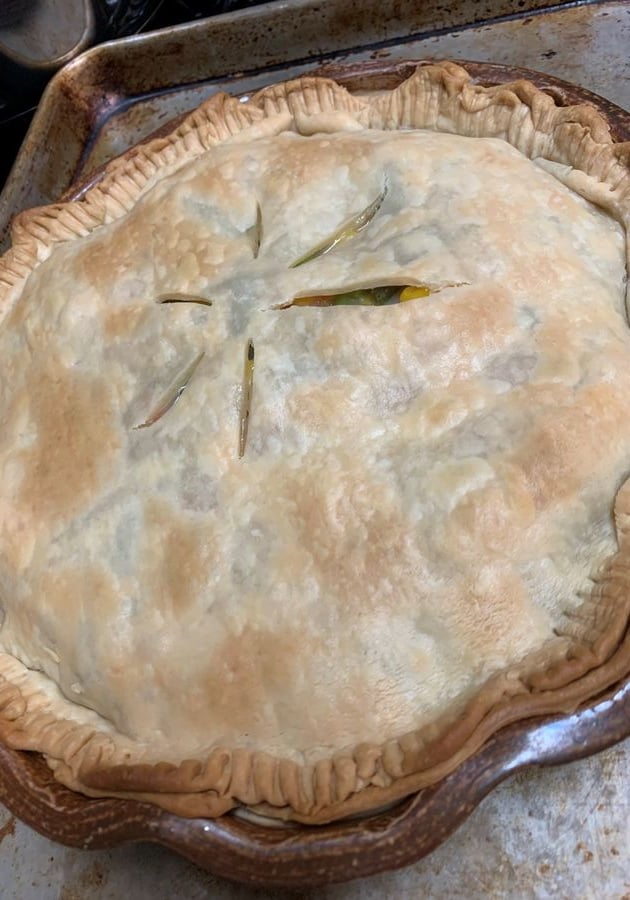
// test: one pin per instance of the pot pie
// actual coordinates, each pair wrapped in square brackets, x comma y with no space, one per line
[315,445]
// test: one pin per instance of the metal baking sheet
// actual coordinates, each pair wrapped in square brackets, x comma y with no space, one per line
[116,94]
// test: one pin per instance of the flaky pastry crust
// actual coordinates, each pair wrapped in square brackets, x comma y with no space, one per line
[555,657]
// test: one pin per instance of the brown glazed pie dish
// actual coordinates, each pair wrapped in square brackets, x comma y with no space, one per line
[511,656]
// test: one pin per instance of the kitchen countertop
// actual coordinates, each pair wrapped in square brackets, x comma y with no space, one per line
[561,833]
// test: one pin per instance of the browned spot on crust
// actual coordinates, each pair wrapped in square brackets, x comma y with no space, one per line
[356,539]
[121,322]
[179,556]
[74,442]
[478,319]
[71,593]
[247,671]
[497,617]
[561,453]
[324,407]
[493,516]
[107,254]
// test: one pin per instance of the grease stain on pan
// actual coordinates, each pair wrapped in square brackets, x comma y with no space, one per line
[86,885]
[8,828]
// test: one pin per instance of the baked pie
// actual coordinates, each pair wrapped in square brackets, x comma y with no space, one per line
[315,445]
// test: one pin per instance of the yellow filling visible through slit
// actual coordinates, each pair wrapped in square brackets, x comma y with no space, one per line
[386,295]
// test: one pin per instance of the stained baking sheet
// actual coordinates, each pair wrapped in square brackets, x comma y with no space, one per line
[118,93]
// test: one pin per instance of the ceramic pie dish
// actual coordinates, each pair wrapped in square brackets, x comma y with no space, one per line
[317,584]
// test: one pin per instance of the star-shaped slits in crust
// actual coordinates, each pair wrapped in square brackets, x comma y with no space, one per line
[376,295]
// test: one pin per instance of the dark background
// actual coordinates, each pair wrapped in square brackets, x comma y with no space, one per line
[21,90]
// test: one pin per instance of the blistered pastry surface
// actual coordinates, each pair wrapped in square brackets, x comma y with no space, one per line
[415,508]
[427,489]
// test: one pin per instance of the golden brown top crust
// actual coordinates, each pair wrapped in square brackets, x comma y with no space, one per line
[404,557]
